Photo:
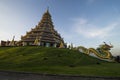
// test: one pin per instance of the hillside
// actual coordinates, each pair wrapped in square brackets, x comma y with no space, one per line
[52,60]
[37,56]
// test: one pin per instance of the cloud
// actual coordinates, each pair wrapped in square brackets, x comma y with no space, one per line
[91,35]
[82,27]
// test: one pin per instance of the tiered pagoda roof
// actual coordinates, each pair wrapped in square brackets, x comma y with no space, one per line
[44,31]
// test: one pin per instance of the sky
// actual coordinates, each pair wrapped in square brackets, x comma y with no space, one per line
[86,23]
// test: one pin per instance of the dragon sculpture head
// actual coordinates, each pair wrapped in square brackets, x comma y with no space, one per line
[106,46]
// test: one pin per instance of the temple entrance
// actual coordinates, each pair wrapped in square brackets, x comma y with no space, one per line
[47,45]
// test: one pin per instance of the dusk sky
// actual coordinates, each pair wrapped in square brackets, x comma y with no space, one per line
[86,23]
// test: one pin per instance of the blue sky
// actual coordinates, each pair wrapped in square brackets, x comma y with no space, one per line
[81,22]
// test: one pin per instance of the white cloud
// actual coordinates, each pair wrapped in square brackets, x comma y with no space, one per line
[83,27]
[116,51]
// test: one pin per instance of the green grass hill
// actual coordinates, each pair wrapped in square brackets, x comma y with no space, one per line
[53,61]
[39,56]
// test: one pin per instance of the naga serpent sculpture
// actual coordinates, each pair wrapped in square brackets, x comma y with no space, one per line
[103,51]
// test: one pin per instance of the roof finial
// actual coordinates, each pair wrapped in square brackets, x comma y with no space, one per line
[48,9]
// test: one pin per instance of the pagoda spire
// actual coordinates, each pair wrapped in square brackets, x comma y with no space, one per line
[43,34]
[47,9]
[12,43]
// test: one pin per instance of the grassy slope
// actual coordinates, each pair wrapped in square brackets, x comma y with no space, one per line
[55,61]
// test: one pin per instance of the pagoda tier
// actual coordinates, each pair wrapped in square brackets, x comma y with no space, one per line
[44,32]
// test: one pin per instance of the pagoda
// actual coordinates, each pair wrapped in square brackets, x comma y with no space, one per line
[43,34]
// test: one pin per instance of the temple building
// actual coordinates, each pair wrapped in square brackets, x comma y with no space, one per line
[43,34]
[10,43]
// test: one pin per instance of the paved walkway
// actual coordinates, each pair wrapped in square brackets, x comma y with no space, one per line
[7,75]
